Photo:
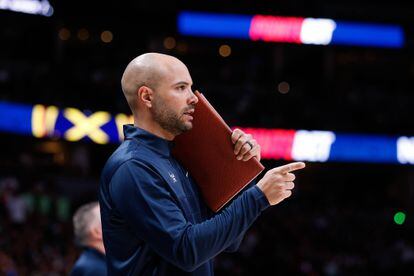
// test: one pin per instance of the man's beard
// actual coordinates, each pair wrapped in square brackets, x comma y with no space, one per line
[168,119]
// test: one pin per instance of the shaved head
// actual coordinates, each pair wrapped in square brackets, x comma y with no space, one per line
[149,70]
[158,90]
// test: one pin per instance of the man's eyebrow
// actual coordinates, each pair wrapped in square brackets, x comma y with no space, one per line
[181,83]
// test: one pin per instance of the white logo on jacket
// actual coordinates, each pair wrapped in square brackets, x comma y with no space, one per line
[172,177]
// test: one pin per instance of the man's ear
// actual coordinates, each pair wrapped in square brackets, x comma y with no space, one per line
[96,232]
[145,95]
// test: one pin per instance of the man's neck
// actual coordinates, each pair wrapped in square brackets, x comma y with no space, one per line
[154,129]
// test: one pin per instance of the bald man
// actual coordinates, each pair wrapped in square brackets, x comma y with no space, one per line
[156,224]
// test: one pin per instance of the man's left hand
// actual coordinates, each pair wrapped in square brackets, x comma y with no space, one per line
[245,147]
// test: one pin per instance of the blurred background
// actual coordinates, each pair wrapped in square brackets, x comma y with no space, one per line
[327,82]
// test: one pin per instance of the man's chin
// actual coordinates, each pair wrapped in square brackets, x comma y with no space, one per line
[186,127]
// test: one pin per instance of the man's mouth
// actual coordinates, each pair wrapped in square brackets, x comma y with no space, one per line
[189,113]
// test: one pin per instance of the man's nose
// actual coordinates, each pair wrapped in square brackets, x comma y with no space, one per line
[193,98]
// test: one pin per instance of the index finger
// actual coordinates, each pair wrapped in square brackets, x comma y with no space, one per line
[290,167]
[236,134]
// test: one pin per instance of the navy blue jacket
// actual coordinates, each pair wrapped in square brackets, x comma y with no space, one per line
[153,218]
[90,263]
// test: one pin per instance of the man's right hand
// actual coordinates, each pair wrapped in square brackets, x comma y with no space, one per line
[277,183]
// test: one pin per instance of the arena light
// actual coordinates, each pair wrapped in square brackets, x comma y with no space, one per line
[101,127]
[86,125]
[40,7]
[405,150]
[299,30]
[399,218]
[312,145]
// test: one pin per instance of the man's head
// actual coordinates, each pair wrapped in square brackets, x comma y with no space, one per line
[87,226]
[158,91]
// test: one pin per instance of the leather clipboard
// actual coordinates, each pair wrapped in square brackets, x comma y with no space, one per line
[206,151]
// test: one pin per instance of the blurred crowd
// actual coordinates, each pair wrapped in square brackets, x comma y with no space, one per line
[36,232]
[336,223]
[340,218]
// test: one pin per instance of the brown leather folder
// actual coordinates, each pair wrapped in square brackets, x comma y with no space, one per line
[206,151]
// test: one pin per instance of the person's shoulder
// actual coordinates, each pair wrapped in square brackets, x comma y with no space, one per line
[88,265]
[128,151]
[80,267]
[88,270]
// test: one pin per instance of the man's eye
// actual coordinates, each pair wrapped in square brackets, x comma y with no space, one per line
[181,87]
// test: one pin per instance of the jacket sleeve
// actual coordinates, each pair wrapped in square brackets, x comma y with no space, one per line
[141,196]
[236,244]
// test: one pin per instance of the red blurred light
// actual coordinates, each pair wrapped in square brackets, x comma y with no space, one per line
[274,143]
[276,28]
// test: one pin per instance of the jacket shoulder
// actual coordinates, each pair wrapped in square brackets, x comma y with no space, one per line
[128,150]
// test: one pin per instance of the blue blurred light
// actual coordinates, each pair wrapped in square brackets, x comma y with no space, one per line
[368,35]
[214,25]
[280,28]
[15,118]
[364,148]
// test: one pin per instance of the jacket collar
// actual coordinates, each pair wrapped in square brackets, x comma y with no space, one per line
[158,144]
